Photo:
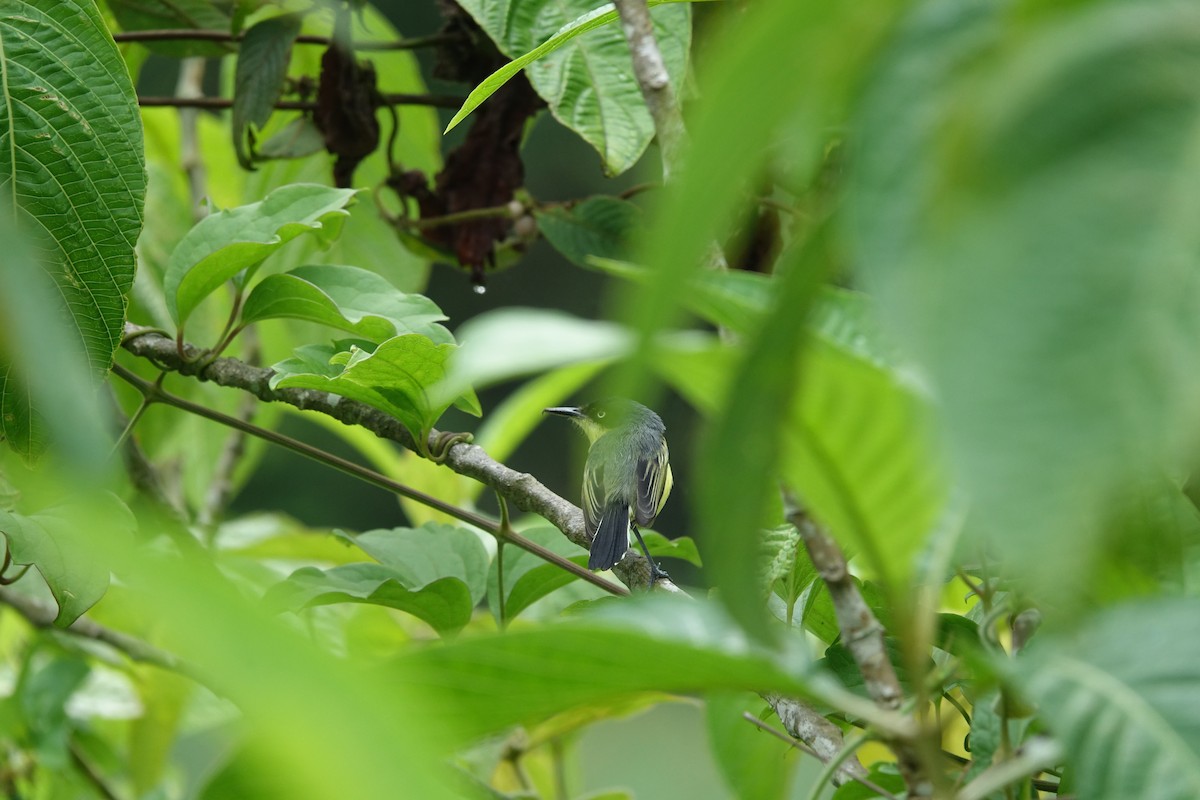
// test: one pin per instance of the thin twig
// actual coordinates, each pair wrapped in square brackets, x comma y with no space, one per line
[190,34]
[394,99]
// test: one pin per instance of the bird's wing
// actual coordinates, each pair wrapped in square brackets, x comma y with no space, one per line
[593,495]
[654,483]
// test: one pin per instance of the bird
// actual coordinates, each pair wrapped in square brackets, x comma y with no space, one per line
[626,478]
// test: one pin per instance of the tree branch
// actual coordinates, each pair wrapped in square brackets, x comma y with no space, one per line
[394,99]
[195,35]
[653,79]
[805,723]
[862,635]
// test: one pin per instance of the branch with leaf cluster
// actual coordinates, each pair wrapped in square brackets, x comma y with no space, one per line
[863,636]
[522,490]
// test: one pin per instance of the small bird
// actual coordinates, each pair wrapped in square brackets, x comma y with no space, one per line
[626,479]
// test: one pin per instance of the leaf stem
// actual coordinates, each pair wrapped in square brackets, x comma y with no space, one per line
[156,394]
[502,532]
[133,420]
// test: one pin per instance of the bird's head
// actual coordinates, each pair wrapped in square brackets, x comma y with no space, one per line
[602,416]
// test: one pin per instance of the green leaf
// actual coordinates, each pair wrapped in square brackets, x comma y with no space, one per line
[444,603]
[1122,694]
[262,65]
[749,421]
[142,15]
[738,300]
[60,544]
[1046,283]
[432,551]
[598,227]
[536,583]
[858,452]
[789,570]
[588,83]
[227,242]
[347,298]
[511,342]
[854,411]
[841,663]
[528,578]
[753,762]
[666,644]
[47,387]
[733,299]
[683,547]
[71,173]
[402,377]
[986,737]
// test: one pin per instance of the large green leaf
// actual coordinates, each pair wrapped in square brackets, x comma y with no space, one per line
[599,227]
[667,644]
[228,242]
[432,551]
[59,543]
[511,342]
[436,573]
[71,171]
[404,377]
[1123,696]
[859,453]
[587,81]
[1025,206]
[444,603]
[348,298]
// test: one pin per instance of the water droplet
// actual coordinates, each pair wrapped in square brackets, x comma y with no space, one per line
[479,288]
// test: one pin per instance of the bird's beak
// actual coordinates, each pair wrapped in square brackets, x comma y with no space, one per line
[564,411]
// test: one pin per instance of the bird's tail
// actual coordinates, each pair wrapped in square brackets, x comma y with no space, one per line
[612,537]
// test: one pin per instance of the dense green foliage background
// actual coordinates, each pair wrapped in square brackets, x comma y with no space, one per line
[925,280]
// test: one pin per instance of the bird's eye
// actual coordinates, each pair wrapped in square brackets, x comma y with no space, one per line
[600,414]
